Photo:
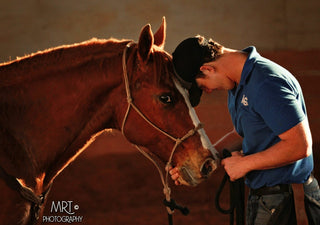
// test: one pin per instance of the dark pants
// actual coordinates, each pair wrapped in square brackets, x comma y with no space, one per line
[312,201]
[271,206]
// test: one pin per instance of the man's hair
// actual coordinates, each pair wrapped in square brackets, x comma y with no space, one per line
[212,49]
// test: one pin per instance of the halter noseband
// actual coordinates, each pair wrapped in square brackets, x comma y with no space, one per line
[177,141]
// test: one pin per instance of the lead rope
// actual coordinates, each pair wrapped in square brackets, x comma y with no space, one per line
[169,203]
[236,197]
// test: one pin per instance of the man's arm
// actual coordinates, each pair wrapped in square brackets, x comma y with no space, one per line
[295,144]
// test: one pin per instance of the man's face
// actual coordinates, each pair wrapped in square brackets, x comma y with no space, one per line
[213,78]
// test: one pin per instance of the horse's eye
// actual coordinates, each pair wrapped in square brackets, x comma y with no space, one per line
[166,99]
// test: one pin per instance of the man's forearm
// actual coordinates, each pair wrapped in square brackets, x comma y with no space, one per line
[295,144]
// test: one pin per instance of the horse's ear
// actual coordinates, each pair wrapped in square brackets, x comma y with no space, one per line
[145,43]
[160,35]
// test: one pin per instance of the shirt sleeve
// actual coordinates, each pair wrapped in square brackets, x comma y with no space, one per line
[280,104]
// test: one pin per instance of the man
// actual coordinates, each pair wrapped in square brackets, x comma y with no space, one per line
[270,123]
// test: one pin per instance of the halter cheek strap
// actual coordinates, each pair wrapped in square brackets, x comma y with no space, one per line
[178,141]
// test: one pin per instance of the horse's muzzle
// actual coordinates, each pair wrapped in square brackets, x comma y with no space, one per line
[191,177]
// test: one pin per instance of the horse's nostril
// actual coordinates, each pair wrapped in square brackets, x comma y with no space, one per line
[207,167]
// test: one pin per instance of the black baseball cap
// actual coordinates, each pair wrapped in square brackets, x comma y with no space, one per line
[187,59]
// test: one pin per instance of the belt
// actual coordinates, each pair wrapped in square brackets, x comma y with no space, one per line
[277,189]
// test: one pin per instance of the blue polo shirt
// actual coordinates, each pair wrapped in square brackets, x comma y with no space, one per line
[267,102]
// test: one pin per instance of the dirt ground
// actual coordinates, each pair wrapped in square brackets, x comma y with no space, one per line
[113,184]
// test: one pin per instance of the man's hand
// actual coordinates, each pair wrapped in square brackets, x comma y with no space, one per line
[234,167]
[174,172]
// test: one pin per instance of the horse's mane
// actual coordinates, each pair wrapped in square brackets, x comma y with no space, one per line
[59,58]
[55,59]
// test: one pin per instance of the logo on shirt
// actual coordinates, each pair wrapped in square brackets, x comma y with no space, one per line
[244,100]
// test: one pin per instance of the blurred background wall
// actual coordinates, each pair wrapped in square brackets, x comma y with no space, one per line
[31,25]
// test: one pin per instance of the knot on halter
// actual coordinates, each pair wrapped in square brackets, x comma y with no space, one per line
[178,141]
[190,133]
[129,99]
[199,126]
[167,191]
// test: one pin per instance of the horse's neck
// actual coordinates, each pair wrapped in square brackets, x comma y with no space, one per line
[59,114]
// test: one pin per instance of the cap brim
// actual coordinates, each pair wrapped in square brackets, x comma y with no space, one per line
[194,95]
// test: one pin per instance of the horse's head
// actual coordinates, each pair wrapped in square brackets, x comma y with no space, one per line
[165,104]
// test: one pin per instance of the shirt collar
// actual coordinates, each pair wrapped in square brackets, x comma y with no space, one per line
[249,64]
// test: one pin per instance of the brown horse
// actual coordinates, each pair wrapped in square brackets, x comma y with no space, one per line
[54,103]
